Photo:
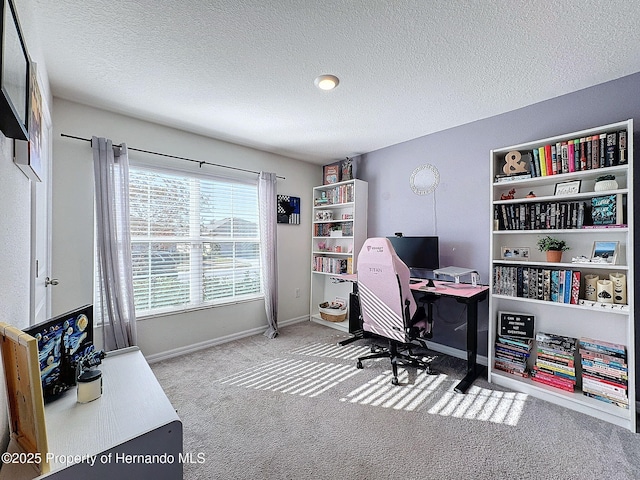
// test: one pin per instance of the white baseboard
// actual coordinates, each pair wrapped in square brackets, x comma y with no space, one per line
[176,352]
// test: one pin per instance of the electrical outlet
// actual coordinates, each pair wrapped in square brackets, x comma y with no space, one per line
[297,293]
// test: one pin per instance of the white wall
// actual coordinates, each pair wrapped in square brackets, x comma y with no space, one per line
[15,234]
[73,222]
[15,221]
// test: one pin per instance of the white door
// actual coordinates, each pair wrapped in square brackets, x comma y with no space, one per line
[41,227]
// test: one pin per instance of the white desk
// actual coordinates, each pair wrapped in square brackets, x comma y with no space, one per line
[132,417]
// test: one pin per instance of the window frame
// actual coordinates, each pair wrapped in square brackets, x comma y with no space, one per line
[197,239]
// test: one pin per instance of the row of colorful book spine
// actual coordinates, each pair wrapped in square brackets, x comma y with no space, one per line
[603,211]
[540,215]
[324,229]
[332,265]
[337,195]
[552,285]
[592,152]
[586,153]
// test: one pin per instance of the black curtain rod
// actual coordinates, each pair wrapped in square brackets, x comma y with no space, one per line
[201,162]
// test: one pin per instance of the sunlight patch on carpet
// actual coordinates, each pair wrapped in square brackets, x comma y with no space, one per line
[346,352]
[435,394]
[296,377]
[482,404]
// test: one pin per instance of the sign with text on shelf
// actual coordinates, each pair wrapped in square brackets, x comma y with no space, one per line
[516,324]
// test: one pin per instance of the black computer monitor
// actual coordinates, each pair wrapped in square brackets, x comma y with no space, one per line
[418,253]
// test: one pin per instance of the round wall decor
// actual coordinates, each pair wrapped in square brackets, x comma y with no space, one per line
[424,179]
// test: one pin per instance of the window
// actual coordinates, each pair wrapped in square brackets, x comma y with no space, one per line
[195,240]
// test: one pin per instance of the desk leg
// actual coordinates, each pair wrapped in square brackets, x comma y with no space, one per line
[473,369]
[355,322]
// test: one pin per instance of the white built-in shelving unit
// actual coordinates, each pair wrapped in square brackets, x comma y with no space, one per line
[607,322]
[339,229]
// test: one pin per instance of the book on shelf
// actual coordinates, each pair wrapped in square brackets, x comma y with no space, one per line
[535,163]
[622,147]
[612,149]
[331,173]
[541,215]
[537,283]
[557,342]
[605,374]
[324,264]
[335,195]
[608,209]
[604,211]
[512,353]
[555,361]
[600,150]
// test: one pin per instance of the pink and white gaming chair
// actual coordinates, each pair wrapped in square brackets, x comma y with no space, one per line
[387,305]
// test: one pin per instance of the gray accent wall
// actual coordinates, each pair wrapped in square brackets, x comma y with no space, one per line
[459,211]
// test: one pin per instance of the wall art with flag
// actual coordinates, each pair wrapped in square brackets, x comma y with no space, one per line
[289,209]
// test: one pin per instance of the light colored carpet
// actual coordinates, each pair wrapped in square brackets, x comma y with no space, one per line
[295,407]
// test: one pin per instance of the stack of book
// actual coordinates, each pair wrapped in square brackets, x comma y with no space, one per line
[604,371]
[555,361]
[512,354]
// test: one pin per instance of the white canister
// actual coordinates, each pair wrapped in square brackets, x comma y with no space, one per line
[603,185]
[89,386]
[619,287]
[605,291]
[590,287]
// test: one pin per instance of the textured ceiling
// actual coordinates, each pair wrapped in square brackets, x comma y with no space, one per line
[243,71]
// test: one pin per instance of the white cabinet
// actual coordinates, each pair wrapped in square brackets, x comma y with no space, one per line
[131,431]
[338,232]
[562,205]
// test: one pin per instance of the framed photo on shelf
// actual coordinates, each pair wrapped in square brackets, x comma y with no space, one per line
[515,253]
[605,252]
[14,75]
[332,173]
[568,188]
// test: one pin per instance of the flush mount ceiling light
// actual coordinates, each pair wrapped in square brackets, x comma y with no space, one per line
[326,82]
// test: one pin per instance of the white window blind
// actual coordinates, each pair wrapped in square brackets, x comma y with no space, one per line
[195,241]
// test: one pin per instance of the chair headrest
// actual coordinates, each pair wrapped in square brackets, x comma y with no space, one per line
[376,251]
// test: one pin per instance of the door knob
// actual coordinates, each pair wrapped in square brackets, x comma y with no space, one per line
[50,281]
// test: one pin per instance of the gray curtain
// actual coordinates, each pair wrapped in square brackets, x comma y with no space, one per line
[114,305]
[268,251]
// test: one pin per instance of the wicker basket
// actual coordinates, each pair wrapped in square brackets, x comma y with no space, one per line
[333,314]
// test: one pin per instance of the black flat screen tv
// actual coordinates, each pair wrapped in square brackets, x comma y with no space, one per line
[62,342]
[418,253]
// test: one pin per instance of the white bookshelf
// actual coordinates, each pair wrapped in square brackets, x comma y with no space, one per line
[339,228]
[614,324]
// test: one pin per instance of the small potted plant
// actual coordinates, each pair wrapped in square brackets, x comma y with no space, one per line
[553,246]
